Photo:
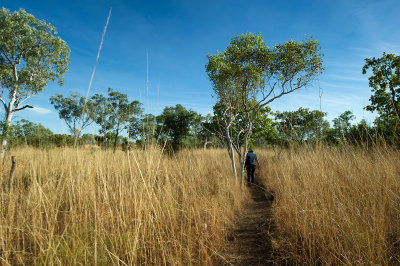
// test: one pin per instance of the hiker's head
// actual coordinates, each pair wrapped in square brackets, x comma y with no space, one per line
[250,150]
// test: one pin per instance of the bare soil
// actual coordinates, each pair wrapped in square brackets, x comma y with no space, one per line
[250,242]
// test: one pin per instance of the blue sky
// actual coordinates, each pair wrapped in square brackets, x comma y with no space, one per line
[177,36]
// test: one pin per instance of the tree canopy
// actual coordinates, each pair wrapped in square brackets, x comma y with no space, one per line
[70,110]
[31,55]
[176,122]
[385,84]
[301,125]
[115,113]
[249,75]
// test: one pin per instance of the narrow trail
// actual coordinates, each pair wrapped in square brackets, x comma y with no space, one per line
[250,242]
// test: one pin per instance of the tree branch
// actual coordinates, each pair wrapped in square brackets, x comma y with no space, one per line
[5,55]
[4,103]
[26,98]
[22,108]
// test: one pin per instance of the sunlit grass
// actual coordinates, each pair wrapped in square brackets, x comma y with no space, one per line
[133,208]
[335,205]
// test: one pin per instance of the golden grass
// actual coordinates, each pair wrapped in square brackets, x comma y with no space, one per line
[136,208]
[335,205]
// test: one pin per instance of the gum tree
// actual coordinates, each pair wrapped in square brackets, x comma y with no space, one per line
[115,113]
[385,84]
[70,110]
[248,75]
[31,56]
[177,122]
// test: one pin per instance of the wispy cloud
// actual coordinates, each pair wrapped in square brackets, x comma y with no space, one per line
[378,48]
[337,77]
[41,111]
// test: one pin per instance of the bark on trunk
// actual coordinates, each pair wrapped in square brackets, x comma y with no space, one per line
[205,144]
[393,96]
[233,163]
[115,140]
[4,142]
[243,160]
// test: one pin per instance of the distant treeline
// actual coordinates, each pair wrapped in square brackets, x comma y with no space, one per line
[178,127]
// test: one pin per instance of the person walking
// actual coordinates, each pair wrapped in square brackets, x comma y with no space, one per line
[250,165]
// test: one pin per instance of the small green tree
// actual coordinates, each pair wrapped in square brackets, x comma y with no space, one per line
[24,131]
[115,113]
[263,126]
[70,110]
[342,125]
[31,55]
[248,76]
[143,130]
[101,111]
[300,125]
[176,123]
[361,134]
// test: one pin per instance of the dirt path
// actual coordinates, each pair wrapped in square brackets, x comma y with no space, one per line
[250,243]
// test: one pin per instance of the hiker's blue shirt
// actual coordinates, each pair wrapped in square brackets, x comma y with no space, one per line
[251,159]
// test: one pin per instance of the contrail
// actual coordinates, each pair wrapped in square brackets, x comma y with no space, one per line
[91,78]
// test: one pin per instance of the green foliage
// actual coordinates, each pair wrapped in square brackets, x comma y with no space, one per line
[62,140]
[31,56]
[30,45]
[176,123]
[88,139]
[248,75]
[115,113]
[263,127]
[240,68]
[143,130]
[385,84]
[362,134]
[342,124]
[388,130]
[70,109]
[300,125]
[29,133]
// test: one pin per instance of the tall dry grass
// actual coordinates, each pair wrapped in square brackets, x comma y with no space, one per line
[136,208]
[335,205]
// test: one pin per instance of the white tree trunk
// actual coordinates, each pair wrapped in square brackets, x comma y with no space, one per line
[4,142]
[232,153]
[243,160]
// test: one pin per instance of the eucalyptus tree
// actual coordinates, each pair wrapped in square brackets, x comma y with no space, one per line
[71,110]
[30,133]
[264,128]
[301,124]
[342,124]
[176,122]
[248,75]
[31,55]
[385,84]
[101,111]
[115,113]
[143,130]
[385,100]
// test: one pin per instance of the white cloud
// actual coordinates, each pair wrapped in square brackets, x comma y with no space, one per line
[41,111]
[337,77]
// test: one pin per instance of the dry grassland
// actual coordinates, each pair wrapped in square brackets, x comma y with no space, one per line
[333,206]
[337,206]
[136,208]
